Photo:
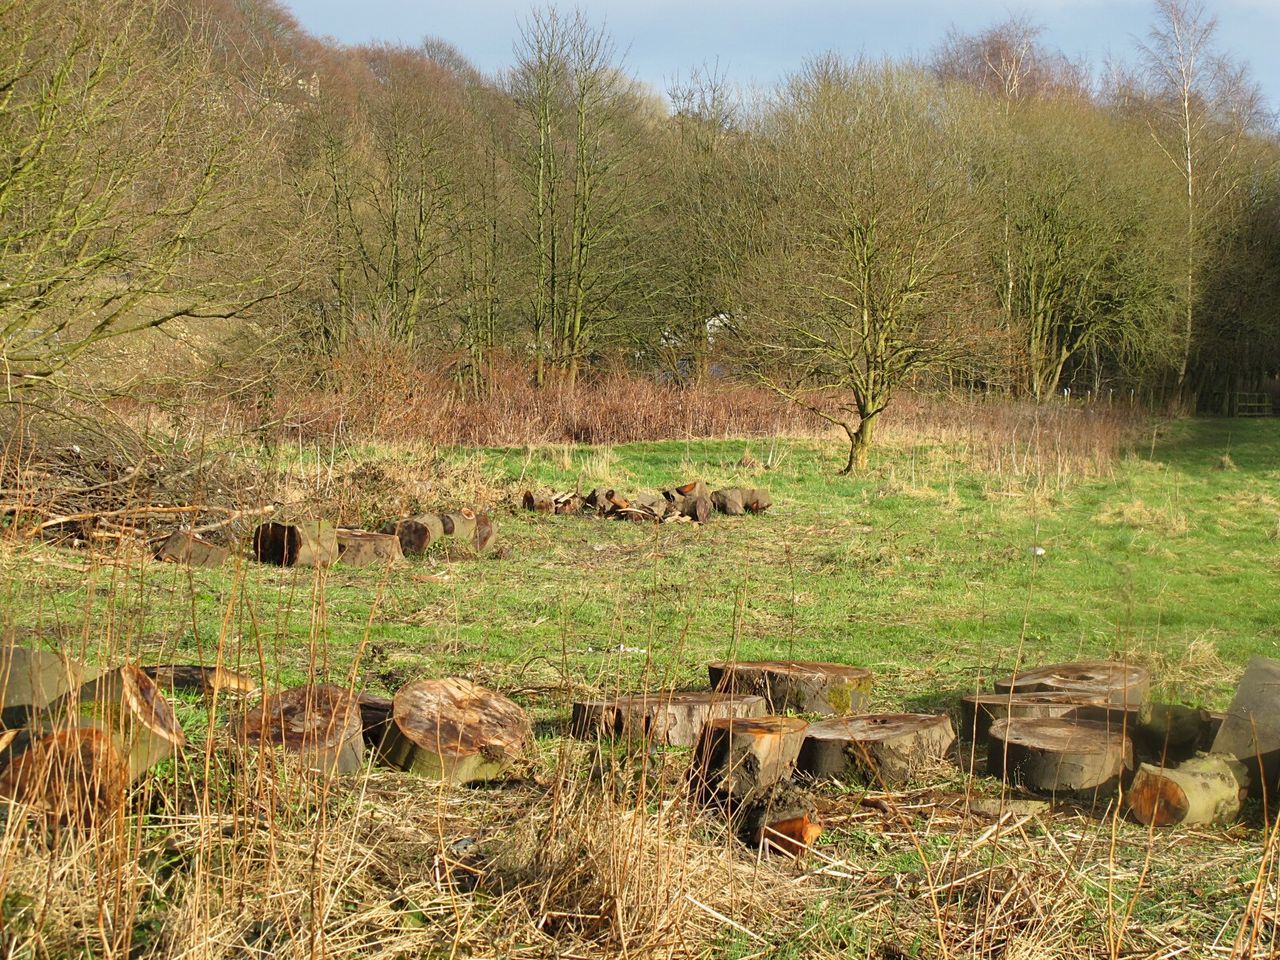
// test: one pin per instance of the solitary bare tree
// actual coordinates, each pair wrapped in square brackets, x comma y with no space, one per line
[876,281]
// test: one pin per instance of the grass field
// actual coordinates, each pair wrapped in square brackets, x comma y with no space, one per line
[921,569]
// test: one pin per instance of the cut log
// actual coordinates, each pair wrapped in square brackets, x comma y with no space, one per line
[415,534]
[567,504]
[537,504]
[1118,683]
[1170,733]
[35,678]
[307,543]
[756,500]
[74,776]
[1058,756]
[729,502]
[696,490]
[182,546]
[1204,790]
[319,723]
[454,730]
[460,524]
[647,508]
[979,710]
[697,509]
[198,678]
[1250,732]
[833,689]
[127,706]
[738,758]
[883,749]
[486,533]
[360,548]
[671,718]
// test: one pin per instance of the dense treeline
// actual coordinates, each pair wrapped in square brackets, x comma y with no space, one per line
[997,217]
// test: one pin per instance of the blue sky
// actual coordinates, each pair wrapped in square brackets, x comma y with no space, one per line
[757,40]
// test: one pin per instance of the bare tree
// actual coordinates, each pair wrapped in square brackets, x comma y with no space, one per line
[876,284]
[1200,108]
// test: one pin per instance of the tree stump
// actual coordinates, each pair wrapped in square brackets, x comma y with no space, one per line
[360,548]
[667,718]
[832,689]
[127,706]
[783,818]
[1058,756]
[74,776]
[979,710]
[1170,733]
[738,758]
[319,723]
[33,679]
[415,534]
[454,730]
[307,543]
[1202,791]
[881,749]
[1118,683]
[537,504]
[200,679]
[181,546]
[460,524]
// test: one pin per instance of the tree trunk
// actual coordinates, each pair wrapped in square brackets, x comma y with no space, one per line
[879,750]
[1058,756]
[321,724]
[182,546]
[737,759]
[834,689]
[454,730]
[979,710]
[672,719]
[360,548]
[461,524]
[1203,791]
[308,543]
[416,534]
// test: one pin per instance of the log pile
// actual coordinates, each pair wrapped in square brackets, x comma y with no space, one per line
[688,503]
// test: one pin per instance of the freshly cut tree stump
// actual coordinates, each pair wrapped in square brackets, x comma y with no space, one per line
[796,685]
[1250,732]
[182,546]
[415,533]
[454,730]
[127,706]
[1055,755]
[1204,790]
[668,718]
[360,548]
[883,749]
[73,776]
[460,524]
[35,678]
[979,710]
[738,758]
[1118,683]
[320,723]
[199,678]
[307,543]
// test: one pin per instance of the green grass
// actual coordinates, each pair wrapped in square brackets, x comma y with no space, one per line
[921,569]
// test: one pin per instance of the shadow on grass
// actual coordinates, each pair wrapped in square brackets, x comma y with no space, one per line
[1253,445]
